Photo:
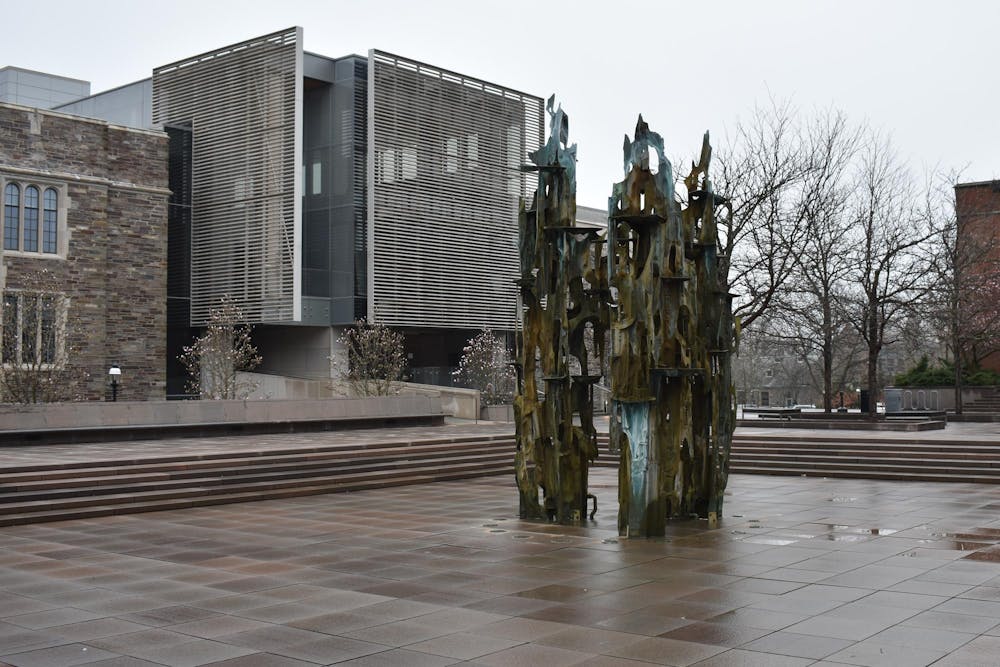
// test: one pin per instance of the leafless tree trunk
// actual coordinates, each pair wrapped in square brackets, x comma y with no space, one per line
[816,291]
[889,272]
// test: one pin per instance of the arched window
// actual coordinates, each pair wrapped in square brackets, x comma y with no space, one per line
[50,221]
[12,217]
[30,219]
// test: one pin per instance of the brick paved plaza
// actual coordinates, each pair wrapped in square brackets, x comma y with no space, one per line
[801,572]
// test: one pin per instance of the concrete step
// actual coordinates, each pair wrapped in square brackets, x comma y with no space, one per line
[897,475]
[22,515]
[857,457]
[91,486]
[916,451]
[57,491]
[346,480]
[151,470]
[189,460]
[950,467]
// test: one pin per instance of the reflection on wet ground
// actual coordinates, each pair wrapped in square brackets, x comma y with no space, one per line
[436,574]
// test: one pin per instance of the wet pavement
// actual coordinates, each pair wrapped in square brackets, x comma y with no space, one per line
[801,571]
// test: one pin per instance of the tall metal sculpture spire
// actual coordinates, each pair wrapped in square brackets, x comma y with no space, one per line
[563,289]
[672,336]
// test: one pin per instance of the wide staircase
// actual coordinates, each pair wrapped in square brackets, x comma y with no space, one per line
[35,493]
[59,491]
[987,403]
[863,457]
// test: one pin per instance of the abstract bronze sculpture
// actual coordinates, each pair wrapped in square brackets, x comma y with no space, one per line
[563,290]
[672,336]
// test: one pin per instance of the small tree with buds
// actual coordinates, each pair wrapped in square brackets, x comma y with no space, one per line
[215,358]
[375,358]
[486,366]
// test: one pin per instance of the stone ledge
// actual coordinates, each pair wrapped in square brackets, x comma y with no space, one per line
[94,421]
[845,424]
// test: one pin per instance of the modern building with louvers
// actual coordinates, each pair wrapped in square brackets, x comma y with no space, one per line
[317,191]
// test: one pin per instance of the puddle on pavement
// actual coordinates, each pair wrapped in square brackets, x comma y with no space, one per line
[844,537]
[774,541]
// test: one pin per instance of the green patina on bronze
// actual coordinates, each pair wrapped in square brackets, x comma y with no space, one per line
[673,334]
[672,337]
[563,289]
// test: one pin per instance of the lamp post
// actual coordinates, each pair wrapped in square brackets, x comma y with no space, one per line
[114,373]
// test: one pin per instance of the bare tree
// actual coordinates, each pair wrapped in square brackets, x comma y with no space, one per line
[215,358]
[811,306]
[760,171]
[889,265]
[375,358]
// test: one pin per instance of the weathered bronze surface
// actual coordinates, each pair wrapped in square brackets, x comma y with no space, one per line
[672,334]
[563,288]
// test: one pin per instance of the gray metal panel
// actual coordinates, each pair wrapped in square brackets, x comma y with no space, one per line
[39,89]
[245,105]
[444,157]
[130,105]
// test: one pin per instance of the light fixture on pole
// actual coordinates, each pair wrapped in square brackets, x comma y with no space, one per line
[114,373]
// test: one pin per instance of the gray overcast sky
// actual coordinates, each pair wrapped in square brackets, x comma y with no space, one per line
[926,72]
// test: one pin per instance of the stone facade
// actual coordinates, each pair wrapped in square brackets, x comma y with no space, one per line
[112,259]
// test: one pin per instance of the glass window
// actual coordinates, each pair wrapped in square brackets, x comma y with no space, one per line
[31,328]
[409,162]
[451,155]
[472,151]
[50,221]
[317,178]
[48,332]
[12,217]
[30,324]
[30,219]
[10,319]
[389,166]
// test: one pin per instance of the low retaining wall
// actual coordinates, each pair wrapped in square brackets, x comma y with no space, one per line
[454,401]
[94,414]
[845,424]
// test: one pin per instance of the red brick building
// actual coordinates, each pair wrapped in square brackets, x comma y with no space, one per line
[977,206]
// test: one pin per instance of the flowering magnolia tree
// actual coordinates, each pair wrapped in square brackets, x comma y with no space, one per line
[375,358]
[215,358]
[486,365]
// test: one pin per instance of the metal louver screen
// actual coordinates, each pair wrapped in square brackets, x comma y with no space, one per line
[444,157]
[244,104]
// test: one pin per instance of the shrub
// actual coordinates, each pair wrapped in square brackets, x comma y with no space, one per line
[376,357]
[214,358]
[486,366]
